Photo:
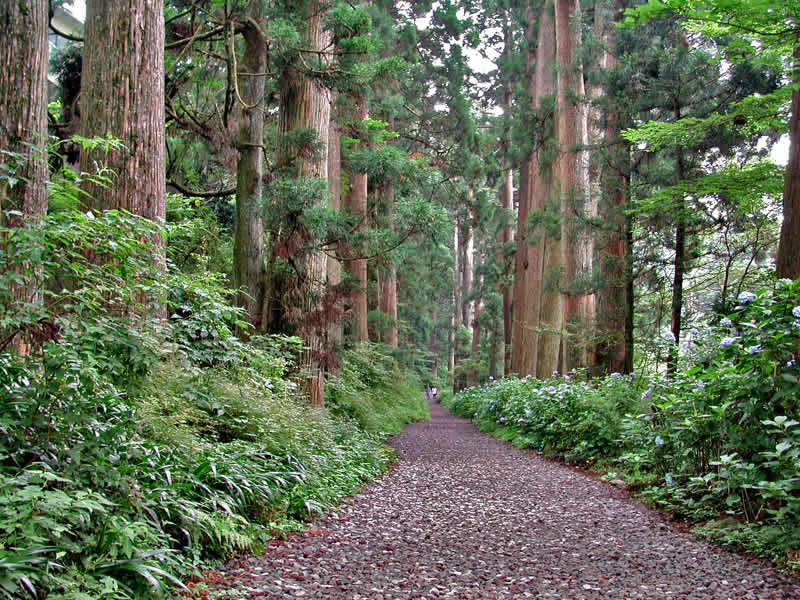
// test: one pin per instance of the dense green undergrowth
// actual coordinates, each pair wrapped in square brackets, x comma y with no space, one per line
[135,449]
[718,444]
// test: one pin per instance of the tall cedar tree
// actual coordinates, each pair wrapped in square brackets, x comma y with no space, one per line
[122,96]
[23,128]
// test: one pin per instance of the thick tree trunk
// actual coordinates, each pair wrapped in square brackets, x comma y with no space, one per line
[788,262]
[23,105]
[433,347]
[23,130]
[249,274]
[306,103]
[334,266]
[535,188]
[507,193]
[358,206]
[507,204]
[550,274]
[613,353]
[570,131]
[388,282]
[477,330]
[468,267]
[457,300]
[122,95]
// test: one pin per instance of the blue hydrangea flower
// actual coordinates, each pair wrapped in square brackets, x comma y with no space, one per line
[746,297]
[669,336]
[555,373]
[659,441]
[726,341]
[796,311]
[790,364]
[726,322]
[668,479]
[647,394]
[550,388]
[784,283]
[614,374]
[754,349]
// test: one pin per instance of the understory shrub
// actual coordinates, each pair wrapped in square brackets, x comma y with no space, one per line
[139,437]
[718,443]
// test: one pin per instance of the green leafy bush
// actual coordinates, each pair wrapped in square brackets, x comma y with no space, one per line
[134,449]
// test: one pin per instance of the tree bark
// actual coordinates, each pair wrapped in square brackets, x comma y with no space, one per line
[457,299]
[788,261]
[249,273]
[388,282]
[679,264]
[23,130]
[613,353]
[468,267]
[23,104]
[530,291]
[122,95]
[334,266]
[507,193]
[306,103]
[570,131]
[358,206]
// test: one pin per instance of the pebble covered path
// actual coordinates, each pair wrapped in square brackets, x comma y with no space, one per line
[463,515]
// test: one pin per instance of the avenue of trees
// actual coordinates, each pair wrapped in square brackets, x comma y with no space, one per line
[459,190]
[603,179]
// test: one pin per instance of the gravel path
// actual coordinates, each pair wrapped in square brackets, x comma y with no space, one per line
[464,515]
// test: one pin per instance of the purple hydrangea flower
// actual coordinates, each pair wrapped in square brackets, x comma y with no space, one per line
[726,322]
[550,388]
[746,297]
[754,349]
[726,341]
[790,364]
[614,374]
[647,394]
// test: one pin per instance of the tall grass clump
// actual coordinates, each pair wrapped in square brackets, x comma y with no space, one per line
[718,443]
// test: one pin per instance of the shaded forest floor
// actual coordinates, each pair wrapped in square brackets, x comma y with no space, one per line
[464,515]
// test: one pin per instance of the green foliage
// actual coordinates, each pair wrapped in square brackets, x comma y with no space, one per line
[718,443]
[132,451]
[371,390]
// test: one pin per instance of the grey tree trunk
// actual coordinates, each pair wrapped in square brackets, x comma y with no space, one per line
[249,273]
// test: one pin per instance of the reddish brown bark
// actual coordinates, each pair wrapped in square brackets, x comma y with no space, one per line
[23,131]
[358,206]
[613,353]
[306,103]
[788,261]
[122,95]
[334,266]
[23,105]
[388,280]
[535,186]
[570,132]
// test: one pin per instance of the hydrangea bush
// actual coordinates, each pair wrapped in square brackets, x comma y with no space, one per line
[717,443]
